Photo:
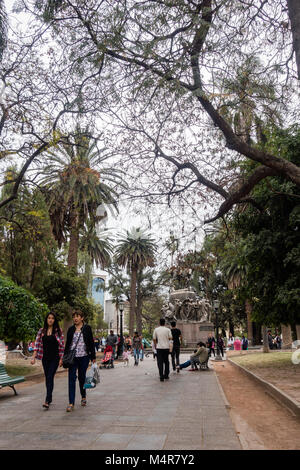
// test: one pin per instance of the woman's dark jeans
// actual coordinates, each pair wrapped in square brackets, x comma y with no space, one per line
[50,367]
[80,363]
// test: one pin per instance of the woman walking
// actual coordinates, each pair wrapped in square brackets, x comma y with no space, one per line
[49,348]
[137,347]
[80,338]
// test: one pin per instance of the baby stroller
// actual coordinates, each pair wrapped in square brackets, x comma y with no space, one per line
[107,361]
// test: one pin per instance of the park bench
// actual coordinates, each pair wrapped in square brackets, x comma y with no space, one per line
[204,365]
[7,381]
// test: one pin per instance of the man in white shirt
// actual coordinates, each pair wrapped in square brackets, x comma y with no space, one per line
[161,338]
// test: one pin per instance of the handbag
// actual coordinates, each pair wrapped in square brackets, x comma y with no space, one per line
[68,358]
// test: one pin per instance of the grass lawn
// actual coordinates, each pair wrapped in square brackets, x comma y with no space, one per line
[277,360]
[14,370]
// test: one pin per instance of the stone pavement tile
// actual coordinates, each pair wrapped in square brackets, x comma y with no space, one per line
[218,441]
[183,445]
[147,442]
[170,446]
[159,418]
[112,441]
[217,446]
[123,428]
[104,418]
[153,429]
[135,419]
[48,440]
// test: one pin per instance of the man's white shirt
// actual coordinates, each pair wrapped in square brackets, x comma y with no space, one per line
[162,335]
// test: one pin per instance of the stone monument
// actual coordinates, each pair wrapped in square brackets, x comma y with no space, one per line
[191,313]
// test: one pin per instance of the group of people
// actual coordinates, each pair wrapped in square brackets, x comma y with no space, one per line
[130,346]
[167,341]
[274,340]
[232,343]
[50,348]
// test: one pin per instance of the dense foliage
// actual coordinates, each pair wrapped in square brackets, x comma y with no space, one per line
[21,314]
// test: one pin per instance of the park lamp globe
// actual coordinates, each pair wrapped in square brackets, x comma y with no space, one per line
[121,305]
[216,304]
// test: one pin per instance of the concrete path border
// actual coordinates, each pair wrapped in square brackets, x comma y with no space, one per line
[277,394]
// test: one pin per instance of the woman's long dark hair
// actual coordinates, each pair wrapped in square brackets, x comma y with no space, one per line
[55,328]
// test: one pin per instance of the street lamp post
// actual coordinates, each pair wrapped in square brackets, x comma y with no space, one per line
[216,307]
[121,343]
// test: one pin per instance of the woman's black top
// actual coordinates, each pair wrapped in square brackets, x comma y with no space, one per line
[87,337]
[50,347]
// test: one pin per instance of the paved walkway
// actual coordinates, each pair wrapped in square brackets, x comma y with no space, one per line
[129,410]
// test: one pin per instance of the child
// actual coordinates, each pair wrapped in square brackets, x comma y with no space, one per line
[126,357]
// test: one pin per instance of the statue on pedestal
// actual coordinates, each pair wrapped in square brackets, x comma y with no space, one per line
[189,308]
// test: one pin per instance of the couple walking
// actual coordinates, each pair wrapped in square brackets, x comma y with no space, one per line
[162,338]
[49,348]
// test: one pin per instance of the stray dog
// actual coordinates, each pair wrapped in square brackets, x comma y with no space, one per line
[126,357]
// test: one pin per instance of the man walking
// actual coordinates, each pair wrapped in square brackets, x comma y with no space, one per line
[177,340]
[112,340]
[136,346]
[161,338]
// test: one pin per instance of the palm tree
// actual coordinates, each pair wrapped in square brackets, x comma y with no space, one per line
[97,248]
[135,251]
[74,190]
[236,272]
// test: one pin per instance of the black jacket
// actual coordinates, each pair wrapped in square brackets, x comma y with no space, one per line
[87,337]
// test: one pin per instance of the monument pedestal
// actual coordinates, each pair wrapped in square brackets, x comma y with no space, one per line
[194,331]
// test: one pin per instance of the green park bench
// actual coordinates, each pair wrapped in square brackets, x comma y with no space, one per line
[7,381]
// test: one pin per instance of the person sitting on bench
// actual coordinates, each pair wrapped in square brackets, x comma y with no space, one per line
[200,356]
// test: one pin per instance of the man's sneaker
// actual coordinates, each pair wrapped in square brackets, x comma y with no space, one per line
[177,369]
[161,379]
[192,370]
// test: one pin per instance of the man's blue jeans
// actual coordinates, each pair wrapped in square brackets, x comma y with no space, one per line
[185,364]
[191,362]
[136,355]
[80,363]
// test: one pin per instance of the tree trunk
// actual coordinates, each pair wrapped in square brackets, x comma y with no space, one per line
[132,300]
[248,308]
[139,323]
[67,322]
[139,308]
[294,15]
[231,328]
[73,247]
[298,331]
[286,336]
[264,332]
[257,336]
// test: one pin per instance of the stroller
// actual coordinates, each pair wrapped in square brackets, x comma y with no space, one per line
[107,361]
